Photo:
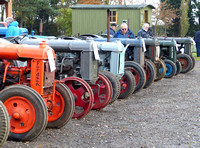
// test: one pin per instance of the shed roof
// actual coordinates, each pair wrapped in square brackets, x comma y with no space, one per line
[136,6]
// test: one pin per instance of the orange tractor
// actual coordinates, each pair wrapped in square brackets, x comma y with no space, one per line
[32,97]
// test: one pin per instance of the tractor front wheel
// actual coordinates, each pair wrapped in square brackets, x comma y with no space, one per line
[4,124]
[115,85]
[27,111]
[138,71]
[83,96]
[171,68]
[178,67]
[193,61]
[127,85]
[186,62]
[150,73]
[102,92]
[160,69]
[61,108]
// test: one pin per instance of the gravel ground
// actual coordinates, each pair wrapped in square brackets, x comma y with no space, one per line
[167,114]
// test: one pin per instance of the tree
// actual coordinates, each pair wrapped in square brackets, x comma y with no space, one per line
[30,13]
[166,13]
[64,22]
[191,15]
[174,29]
[24,9]
[184,20]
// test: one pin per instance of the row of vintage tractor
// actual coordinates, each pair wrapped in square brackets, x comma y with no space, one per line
[46,82]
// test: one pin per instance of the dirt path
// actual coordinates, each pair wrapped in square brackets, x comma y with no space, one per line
[167,114]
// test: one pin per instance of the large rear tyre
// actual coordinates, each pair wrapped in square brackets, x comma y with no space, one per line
[138,72]
[83,96]
[102,92]
[115,85]
[171,68]
[160,69]
[150,73]
[127,85]
[4,124]
[186,62]
[27,110]
[61,108]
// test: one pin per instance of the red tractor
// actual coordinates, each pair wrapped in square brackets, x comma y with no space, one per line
[32,97]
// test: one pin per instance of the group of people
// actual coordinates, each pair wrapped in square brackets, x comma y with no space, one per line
[125,32]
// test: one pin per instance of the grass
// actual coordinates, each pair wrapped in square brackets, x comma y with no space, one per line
[195,56]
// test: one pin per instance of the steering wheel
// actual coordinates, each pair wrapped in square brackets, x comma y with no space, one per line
[16,39]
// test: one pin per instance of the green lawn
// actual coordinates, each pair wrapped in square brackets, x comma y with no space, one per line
[195,56]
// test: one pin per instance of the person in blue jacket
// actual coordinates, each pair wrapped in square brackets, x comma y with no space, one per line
[113,28]
[124,32]
[144,31]
[197,41]
[12,27]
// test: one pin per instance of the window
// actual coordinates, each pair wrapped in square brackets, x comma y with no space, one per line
[113,16]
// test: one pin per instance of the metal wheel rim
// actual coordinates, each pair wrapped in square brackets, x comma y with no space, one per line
[135,73]
[85,103]
[22,114]
[57,107]
[103,97]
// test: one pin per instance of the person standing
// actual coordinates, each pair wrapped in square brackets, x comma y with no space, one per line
[197,41]
[113,28]
[150,31]
[12,27]
[124,32]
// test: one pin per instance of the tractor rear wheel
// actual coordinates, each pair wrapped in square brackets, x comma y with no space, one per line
[160,69]
[115,85]
[102,92]
[150,73]
[186,62]
[4,124]
[27,110]
[127,85]
[138,72]
[171,68]
[83,96]
[61,108]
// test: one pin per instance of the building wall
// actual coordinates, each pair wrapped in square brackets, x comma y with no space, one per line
[88,21]
[94,21]
[142,12]
[132,17]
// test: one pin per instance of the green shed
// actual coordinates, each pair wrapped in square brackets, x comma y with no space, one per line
[93,18]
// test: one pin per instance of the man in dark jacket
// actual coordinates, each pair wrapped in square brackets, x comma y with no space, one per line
[143,32]
[197,41]
[124,32]
[113,28]
[150,31]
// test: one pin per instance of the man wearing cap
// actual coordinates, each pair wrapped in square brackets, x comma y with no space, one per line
[113,28]
[12,27]
[124,32]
